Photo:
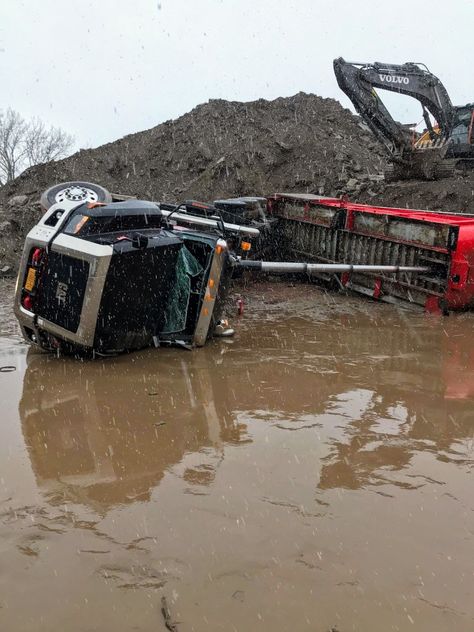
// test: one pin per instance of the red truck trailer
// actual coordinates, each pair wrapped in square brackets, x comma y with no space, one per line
[335,230]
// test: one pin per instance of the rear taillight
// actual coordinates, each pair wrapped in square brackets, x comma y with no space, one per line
[32,277]
[27,302]
[36,256]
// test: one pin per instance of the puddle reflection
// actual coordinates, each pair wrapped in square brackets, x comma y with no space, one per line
[104,433]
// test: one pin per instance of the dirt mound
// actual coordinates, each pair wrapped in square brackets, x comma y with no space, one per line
[226,148]
[221,148]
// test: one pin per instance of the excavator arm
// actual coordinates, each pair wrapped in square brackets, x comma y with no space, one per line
[359,80]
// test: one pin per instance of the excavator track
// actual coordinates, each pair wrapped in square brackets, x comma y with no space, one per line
[445,169]
[437,171]
[424,164]
[393,173]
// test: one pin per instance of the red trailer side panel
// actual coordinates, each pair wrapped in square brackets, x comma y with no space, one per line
[339,231]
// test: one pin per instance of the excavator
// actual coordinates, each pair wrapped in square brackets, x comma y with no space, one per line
[446,144]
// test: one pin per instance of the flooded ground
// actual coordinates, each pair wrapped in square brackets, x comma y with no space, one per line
[313,473]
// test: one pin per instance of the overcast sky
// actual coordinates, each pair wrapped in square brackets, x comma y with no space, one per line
[104,69]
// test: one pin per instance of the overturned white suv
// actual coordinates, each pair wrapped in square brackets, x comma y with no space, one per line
[103,277]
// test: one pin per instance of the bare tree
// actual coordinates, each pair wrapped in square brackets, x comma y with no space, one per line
[43,144]
[26,143]
[12,149]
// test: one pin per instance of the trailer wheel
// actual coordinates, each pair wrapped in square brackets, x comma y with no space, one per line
[76,191]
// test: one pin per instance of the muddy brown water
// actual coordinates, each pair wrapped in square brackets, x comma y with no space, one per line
[315,472]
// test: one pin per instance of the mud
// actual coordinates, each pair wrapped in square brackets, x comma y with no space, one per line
[313,473]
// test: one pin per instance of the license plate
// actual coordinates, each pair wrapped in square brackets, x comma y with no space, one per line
[30,280]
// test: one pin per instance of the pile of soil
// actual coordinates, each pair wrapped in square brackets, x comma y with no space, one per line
[226,148]
[221,149]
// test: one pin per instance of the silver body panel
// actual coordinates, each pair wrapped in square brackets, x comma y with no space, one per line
[98,256]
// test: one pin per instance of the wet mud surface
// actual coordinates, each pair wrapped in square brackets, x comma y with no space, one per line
[315,472]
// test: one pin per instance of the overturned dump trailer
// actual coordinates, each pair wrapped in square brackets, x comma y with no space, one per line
[336,231]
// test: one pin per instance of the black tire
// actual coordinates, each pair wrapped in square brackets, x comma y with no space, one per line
[67,190]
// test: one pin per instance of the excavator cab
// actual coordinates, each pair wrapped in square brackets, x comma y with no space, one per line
[462,136]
